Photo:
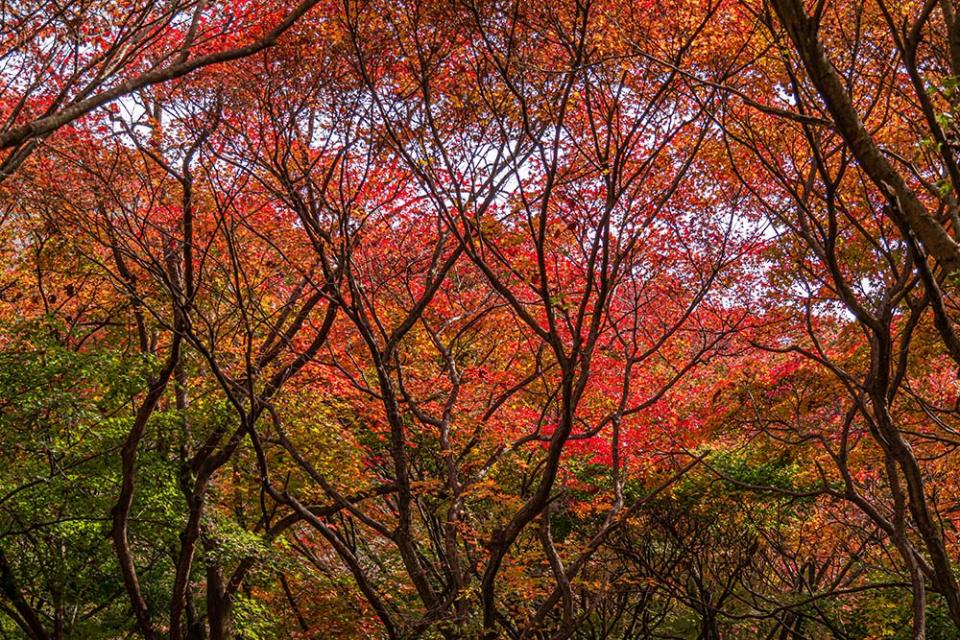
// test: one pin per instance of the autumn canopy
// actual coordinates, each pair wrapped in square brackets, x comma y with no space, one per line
[440,319]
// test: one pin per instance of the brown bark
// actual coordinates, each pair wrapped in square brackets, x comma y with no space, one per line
[906,207]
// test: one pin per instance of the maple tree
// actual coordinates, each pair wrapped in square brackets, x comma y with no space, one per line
[475,319]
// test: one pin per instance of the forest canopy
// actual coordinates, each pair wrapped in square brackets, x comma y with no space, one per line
[579,319]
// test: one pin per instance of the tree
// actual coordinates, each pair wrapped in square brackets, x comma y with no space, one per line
[473,319]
